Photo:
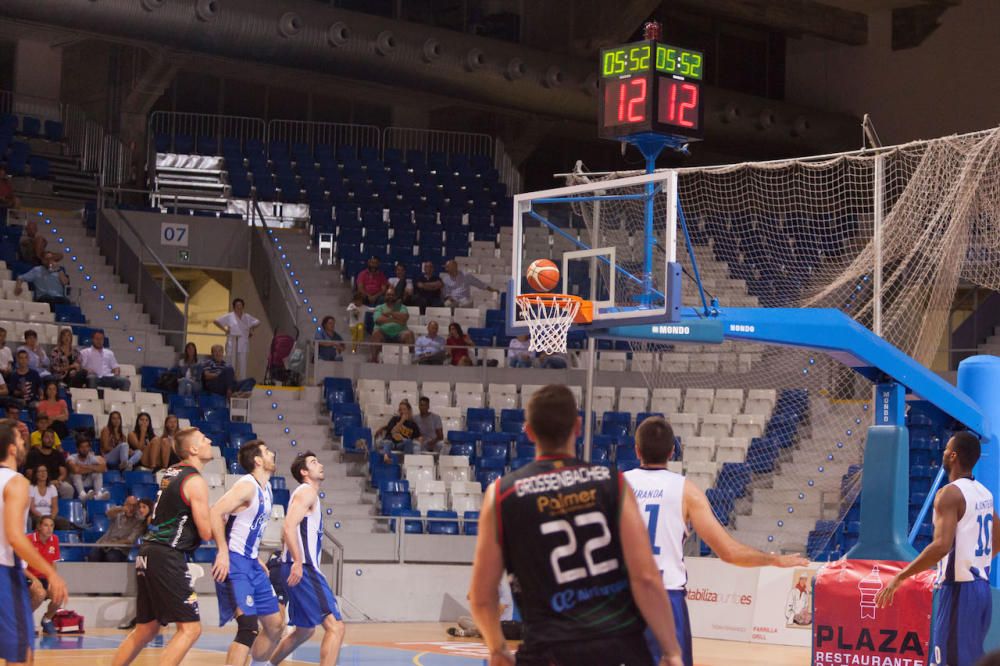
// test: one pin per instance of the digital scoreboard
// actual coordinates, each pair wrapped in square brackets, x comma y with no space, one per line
[650,87]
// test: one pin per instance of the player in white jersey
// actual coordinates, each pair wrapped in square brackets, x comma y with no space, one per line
[671,506]
[17,636]
[964,544]
[241,581]
[310,601]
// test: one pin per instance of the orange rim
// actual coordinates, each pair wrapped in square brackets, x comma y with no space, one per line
[584,315]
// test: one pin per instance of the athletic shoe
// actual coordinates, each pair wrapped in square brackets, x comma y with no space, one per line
[126,626]
[48,628]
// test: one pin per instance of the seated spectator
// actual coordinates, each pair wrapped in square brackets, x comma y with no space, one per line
[125,525]
[43,499]
[518,353]
[31,247]
[331,345]
[54,460]
[101,365]
[140,437]
[457,286]
[38,360]
[430,347]
[54,409]
[160,452]
[552,361]
[402,285]
[459,344]
[42,425]
[429,425]
[371,283]
[394,434]
[356,321]
[4,391]
[114,445]
[7,197]
[216,376]
[14,414]
[427,288]
[189,370]
[64,363]
[47,545]
[50,281]
[390,325]
[25,384]
[87,471]
[6,356]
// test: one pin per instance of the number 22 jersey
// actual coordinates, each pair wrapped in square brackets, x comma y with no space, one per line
[557,525]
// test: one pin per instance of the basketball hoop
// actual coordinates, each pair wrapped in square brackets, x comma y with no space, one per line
[549,317]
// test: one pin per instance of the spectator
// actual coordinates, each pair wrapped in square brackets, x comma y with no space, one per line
[402,285]
[25,384]
[55,409]
[390,324]
[6,356]
[114,445]
[400,428]
[87,470]
[356,321]
[430,347]
[38,360]
[3,387]
[239,326]
[43,499]
[160,452]
[32,244]
[459,344]
[47,544]
[101,365]
[42,425]
[331,345]
[14,414]
[518,353]
[371,283]
[429,425]
[552,361]
[457,292]
[217,377]
[54,460]
[7,197]
[125,525]
[140,437]
[50,281]
[189,370]
[65,362]
[427,288]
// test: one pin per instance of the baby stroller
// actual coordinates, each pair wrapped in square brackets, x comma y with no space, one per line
[277,357]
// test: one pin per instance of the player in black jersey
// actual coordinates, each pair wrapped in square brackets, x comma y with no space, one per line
[179,524]
[577,551]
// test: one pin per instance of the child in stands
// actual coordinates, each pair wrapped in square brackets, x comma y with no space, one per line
[356,321]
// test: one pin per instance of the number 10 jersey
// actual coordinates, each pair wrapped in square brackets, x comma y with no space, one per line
[557,524]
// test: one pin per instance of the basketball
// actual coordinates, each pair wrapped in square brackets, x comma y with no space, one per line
[543,275]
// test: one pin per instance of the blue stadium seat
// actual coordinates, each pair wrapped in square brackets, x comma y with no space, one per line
[70,553]
[112,476]
[80,422]
[205,555]
[67,536]
[479,419]
[145,491]
[412,526]
[53,130]
[281,496]
[99,523]
[138,476]
[72,510]
[97,508]
[442,526]
[117,492]
[470,522]
[353,435]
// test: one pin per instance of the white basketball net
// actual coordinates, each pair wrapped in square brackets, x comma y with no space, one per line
[549,318]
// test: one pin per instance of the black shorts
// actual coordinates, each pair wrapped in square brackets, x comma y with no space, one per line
[278,583]
[164,585]
[627,650]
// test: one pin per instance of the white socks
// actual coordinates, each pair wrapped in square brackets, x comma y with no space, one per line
[254,662]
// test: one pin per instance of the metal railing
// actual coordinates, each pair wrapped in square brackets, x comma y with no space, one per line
[116,162]
[198,125]
[509,175]
[265,262]
[336,553]
[325,134]
[411,138]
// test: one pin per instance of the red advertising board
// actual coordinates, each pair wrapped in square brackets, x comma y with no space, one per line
[848,630]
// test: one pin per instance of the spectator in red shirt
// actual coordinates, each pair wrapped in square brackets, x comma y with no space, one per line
[46,543]
[372,283]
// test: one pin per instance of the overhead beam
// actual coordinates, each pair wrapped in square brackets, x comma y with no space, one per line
[797,17]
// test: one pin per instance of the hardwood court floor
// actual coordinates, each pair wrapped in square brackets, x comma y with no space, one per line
[381,644]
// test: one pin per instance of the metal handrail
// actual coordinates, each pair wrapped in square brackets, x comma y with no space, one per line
[337,553]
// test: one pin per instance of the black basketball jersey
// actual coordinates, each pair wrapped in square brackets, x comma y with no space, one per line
[172,524]
[557,524]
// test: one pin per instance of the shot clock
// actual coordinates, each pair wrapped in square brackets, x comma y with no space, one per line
[650,87]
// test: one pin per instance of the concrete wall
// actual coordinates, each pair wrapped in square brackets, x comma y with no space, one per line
[212,242]
[948,84]
[37,69]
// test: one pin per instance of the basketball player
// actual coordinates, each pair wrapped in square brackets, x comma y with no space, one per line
[241,581]
[17,636]
[571,537]
[310,601]
[670,504]
[180,522]
[965,542]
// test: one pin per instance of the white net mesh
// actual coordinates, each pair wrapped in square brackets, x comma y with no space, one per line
[549,317]
[778,434]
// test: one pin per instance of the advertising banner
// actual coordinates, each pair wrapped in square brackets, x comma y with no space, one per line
[720,599]
[783,606]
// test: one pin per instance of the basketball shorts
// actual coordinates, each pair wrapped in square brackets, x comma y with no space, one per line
[962,616]
[17,627]
[247,588]
[628,650]
[165,591]
[311,600]
[682,625]
[278,584]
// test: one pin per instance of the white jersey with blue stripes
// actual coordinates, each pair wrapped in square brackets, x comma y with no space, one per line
[971,551]
[660,494]
[245,528]
[7,556]
[310,533]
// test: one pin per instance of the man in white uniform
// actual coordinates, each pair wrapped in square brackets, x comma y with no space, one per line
[239,326]
[670,505]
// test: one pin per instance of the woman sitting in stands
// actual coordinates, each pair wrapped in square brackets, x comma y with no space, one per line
[160,452]
[64,363]
[51,406]
[114,445]
[394,434]
[189,371]
[458,344]
[141,435]
[331,344]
